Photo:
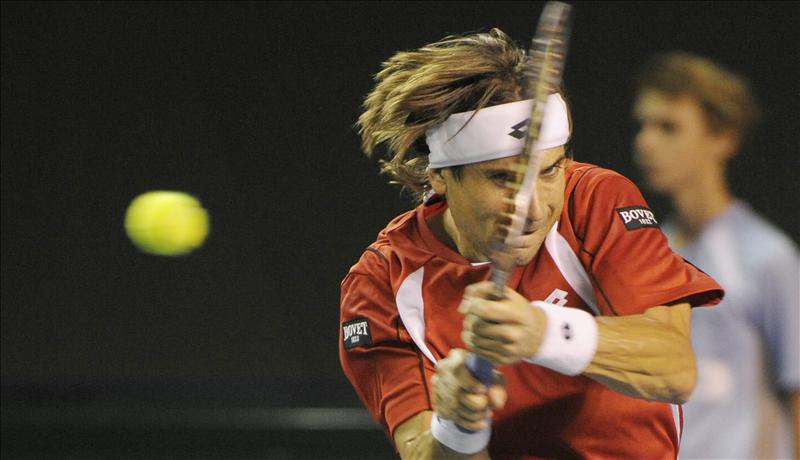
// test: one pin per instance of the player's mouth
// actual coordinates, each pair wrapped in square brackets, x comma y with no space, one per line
[525,240]
[532,227]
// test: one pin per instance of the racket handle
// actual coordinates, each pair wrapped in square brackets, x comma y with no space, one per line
[482,370]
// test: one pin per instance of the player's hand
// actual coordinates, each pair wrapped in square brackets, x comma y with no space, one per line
[503,331]
[460,397]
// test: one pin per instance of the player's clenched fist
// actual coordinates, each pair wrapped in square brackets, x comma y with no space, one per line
[503,331]
[460,397]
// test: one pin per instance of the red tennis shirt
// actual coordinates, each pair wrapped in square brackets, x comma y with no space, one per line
[605,255]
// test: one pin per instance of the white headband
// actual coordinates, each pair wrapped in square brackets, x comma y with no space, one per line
[495,132]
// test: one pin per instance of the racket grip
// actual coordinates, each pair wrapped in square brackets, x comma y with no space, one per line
[482,370]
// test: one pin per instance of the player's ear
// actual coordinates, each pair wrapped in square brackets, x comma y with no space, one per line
[436,178]
[726,144]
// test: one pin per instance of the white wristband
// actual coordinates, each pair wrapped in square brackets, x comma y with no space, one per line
[447,433]
[569,342]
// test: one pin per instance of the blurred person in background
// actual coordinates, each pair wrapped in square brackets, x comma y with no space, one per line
[693,117]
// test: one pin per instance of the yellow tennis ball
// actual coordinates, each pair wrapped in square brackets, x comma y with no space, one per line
[166,223]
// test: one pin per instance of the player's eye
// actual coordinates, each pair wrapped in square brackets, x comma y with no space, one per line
[667,126]
[500,177]
[552,170]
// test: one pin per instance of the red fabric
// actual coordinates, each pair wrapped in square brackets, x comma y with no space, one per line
[548,415]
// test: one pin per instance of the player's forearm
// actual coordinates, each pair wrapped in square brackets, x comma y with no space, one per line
[646,356]
[415,442]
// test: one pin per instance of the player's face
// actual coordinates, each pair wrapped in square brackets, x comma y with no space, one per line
[674,146]
[476,199]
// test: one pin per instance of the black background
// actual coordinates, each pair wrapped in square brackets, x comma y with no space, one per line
[249,107]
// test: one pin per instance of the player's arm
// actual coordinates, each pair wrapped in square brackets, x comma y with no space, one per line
[414,440]
[647,356]
[458,398]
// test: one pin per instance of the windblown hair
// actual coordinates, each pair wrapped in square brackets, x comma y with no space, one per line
[416,90]
[724,97]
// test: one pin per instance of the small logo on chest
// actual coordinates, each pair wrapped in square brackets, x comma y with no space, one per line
[557,297]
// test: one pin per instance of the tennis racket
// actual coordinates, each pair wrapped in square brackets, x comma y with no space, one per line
[542,73]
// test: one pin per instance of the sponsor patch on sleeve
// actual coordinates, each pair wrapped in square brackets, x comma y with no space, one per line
[637,217]
[356,333]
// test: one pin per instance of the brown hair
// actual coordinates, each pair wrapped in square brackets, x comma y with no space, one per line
[416,90]
[724,97]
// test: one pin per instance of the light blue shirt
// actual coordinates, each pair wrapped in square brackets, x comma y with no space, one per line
[747,348]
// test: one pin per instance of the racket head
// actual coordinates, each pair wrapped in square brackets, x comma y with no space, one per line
[542,74]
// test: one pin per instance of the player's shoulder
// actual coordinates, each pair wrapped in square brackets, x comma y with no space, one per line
[773,244]
[588,183]
[395,239]
[754,221]
[596,198]
[368,288]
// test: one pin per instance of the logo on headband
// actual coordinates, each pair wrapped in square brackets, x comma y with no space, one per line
[517,132]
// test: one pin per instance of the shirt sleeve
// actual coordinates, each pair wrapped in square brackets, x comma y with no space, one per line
[629,259]
[386,370]
[779,315]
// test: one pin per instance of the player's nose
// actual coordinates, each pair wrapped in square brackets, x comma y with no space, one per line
[536,213]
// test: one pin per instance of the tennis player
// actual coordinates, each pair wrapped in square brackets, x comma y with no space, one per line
[592,339]
[694,116]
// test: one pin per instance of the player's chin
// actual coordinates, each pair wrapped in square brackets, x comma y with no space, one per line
[658,183]
[525,248]
[523,255]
